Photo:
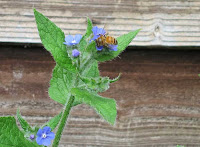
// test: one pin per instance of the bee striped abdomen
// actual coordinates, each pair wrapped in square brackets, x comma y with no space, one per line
[111,40]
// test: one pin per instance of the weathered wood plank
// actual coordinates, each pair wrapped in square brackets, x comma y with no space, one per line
[168,23]
[157,97]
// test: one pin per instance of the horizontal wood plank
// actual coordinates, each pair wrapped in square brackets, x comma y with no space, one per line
[168,23]
[157,98]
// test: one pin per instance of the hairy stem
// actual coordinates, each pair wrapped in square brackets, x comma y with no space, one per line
[63,121]
[68,107]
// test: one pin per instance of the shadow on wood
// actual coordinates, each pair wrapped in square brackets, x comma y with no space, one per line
[157,97]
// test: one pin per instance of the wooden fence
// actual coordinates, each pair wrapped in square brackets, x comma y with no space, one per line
[158,95]
[168,23]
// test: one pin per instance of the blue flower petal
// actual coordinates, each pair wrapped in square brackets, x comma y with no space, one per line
[99,48]
[46,141]
[94,30]
[51,135]
[39,140]
[97,32]
[77,38]
[46,129]
[68,40]
[113,47]
[39,133]
[95,37]
[65,43]
[101,31]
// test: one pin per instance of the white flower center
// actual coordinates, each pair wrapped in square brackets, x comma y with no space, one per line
[44,135]
[74,41]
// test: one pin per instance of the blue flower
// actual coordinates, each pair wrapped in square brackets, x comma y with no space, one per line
[70,40]
[75,53]
[44,136]
[113,47]
[97,32]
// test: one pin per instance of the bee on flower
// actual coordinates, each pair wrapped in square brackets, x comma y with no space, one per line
[103,40]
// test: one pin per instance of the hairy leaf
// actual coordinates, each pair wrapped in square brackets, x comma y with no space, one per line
[61,84]
[104,106]
[98,84]
[24,124]
[89,66]
[52,38]
[86,38]
[52,123]
[11,136]
[115,79]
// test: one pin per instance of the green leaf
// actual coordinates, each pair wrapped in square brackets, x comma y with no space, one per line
[91,48]
[92,71]
[98,84]
[89,66]
[104,106]
[123,42]
[88,35]
[52,38]
[52,123]
[11,136]
[76,102]
[61,84]
[115,79]
[24,124]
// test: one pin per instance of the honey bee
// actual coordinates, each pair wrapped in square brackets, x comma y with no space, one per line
[105,40]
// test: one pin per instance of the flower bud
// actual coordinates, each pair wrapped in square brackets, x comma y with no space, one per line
[75,53]
[32,136]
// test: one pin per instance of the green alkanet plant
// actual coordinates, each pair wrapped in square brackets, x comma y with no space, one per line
[75,80]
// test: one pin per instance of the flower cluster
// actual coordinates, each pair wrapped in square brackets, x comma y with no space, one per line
[97,32]
[71,41]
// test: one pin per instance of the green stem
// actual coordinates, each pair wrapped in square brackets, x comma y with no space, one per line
[65,115]
[63,121]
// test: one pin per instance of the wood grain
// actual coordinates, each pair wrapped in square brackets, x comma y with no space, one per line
[157,97]
[167,23]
